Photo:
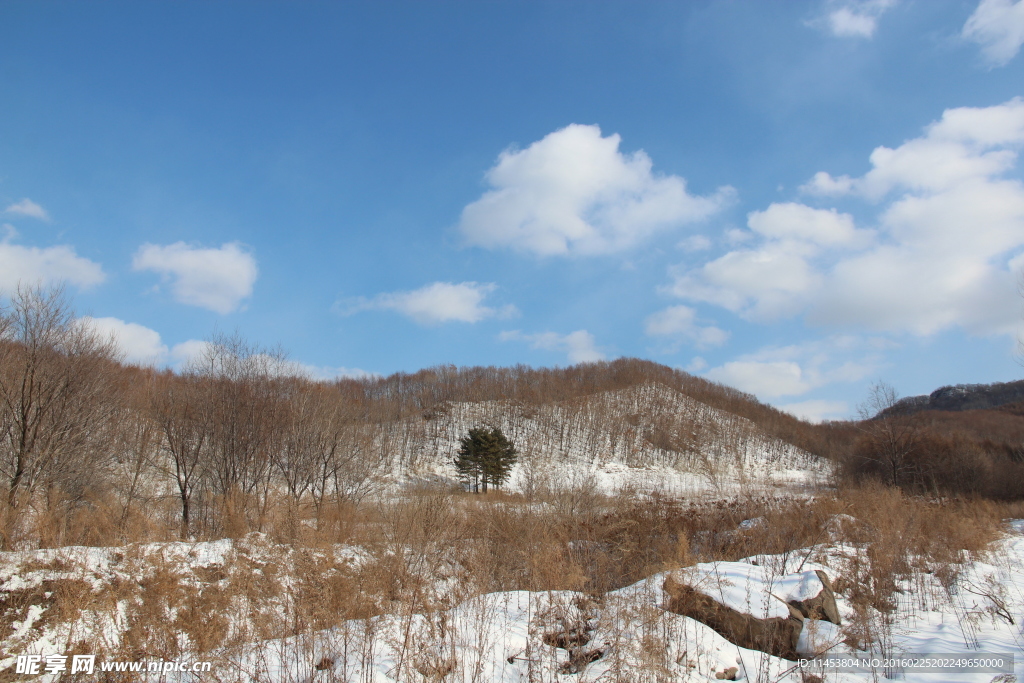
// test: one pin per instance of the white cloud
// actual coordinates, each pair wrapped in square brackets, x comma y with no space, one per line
[680,322]
[967,143]
[762,378]
[793,370]
[435,303]
[845,22]
[188,351]
[46,265]
[579,346]
[695,243]
[735,236]
[216,279]
[791,221]
[574,192]
[824,185]
[998,27]
[853,18]
[324,373]
[144,346]
[141,345]
[817,410]
[945,251]
[28,208]
[697,364]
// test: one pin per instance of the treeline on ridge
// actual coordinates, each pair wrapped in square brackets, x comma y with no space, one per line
[964,452]
[91,447]
[213,447]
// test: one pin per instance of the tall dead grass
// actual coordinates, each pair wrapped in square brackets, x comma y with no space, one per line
[431,549]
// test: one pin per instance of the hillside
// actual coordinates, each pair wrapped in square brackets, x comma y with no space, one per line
[648,437]
[963,440]
[964,397]
[283,529]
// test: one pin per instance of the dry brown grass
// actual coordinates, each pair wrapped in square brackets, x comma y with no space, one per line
[430,549]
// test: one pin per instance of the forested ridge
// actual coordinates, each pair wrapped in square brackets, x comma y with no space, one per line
[212,447]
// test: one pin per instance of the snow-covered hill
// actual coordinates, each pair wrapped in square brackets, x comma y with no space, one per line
[648,437]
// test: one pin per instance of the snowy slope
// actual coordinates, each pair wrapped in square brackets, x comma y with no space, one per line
[644,438]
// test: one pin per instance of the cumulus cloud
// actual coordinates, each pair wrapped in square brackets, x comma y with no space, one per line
[791,221]
[774,278]
[28,208]
[144,346]
[574,192]
[579,346]
[325,373]
[140,345]
[187,351]
[46,265]
[998,27]
[768,379]
[216,279]
[946,248]
[680,323]
[817,410]
[439,302]
[852,18]
[695,243]
[773,372]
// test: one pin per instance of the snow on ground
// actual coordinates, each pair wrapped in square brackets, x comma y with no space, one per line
[507,637]
[500,637]
[107,583]
[625,635]
[751,589]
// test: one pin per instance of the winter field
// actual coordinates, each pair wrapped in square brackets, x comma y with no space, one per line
[237,523]
[437,585]
[94,600]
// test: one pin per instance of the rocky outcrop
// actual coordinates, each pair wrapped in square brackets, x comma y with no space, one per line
[961,397]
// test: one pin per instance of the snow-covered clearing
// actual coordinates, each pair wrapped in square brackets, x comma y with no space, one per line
[625,635]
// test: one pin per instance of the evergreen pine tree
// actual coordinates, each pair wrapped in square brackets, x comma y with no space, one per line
[469,458]
[485,457]
[501,456]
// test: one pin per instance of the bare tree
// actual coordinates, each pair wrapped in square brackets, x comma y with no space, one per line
[56,382]
[308,438]
[135,442]
[891,436]
[246,408]
[178,407]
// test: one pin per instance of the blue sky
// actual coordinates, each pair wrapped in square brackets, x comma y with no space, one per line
[796,199]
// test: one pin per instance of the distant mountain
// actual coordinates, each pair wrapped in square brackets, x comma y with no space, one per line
[963,397]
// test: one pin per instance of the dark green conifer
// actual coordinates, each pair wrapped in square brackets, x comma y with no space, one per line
[485,457]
